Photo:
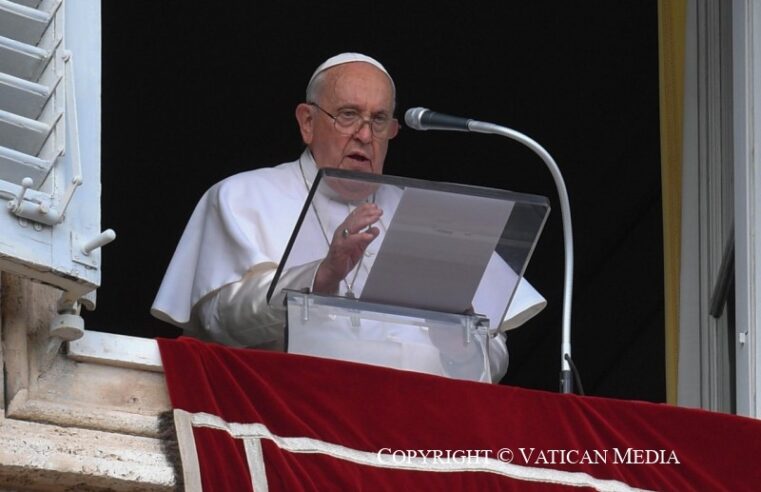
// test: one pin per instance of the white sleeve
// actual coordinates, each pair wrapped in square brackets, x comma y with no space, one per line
[238,314]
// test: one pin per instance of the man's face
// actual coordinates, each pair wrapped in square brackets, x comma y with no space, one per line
[352,86]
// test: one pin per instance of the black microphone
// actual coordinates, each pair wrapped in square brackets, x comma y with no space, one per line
[425,119]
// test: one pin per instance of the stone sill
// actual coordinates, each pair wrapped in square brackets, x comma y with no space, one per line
[87,417]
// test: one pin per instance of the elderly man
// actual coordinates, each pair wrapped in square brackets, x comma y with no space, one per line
[216,285]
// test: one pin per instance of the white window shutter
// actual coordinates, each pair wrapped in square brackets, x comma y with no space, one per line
[50,61]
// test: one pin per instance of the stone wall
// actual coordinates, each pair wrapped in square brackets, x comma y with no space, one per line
[91,421]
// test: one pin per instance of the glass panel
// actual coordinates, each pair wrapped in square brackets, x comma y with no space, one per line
[441,247]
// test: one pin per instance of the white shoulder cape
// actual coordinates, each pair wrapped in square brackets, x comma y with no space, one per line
[240,223]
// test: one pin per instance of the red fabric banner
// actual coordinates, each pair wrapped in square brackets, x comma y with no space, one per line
[256,421]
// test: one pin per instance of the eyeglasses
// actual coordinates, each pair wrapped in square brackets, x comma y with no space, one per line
[349,122]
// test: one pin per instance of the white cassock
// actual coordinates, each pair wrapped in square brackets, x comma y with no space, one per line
[216,285]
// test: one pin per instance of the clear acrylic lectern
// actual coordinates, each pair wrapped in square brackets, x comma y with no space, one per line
[429,292]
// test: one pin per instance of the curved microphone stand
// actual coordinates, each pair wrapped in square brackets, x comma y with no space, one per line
[566,381]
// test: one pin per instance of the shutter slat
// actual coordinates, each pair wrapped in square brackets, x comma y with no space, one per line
[22,97]
[22,60]
[33,4]
[15,166]
[22,134]
[22,23]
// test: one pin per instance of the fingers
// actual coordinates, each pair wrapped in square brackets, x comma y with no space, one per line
[360,220]
[354,244]
[350,240]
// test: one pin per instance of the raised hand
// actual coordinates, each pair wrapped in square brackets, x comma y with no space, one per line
[349,242]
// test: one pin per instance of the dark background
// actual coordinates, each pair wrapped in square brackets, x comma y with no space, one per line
[193,94]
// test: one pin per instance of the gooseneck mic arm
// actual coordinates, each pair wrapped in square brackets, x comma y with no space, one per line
[425,119]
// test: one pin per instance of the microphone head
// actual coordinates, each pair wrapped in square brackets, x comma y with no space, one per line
[412,118]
